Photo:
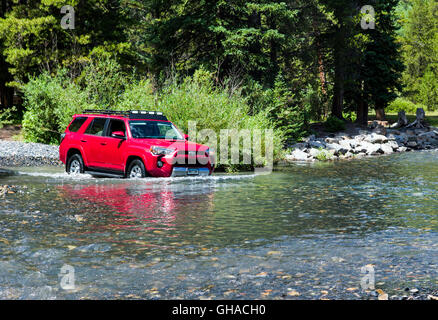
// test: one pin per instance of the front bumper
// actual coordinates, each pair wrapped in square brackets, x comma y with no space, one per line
[189,172]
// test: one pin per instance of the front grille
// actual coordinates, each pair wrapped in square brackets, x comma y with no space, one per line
[191,153]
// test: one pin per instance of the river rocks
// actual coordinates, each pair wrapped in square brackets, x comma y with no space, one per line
[365,143]
[5,190]
[18,154]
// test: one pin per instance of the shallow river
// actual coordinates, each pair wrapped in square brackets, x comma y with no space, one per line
[304,231]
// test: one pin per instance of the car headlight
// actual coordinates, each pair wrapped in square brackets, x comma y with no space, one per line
[160,151]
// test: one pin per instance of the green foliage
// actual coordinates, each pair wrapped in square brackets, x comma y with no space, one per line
[50,103]
[402,104]
[419,39]
[286,113]
[334,124]
[324,155]
[35,41]
[10,116]
[382,61]
[103,82]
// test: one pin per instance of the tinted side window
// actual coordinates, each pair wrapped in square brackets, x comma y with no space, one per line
[96,127]
[77,124]
[116,125]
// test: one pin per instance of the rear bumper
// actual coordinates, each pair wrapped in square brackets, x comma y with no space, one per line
[188,172]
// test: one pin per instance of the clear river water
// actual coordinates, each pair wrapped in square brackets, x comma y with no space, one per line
[302,232]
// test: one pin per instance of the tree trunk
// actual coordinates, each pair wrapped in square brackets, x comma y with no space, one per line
[338,94]
[380,114]
[362,112]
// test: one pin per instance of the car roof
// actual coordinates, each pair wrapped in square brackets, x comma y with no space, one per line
[114,117]
[130,114]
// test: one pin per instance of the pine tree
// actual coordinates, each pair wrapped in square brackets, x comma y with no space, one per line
[382,60]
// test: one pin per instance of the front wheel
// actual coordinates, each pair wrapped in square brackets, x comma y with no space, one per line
[136,170]
[75,164]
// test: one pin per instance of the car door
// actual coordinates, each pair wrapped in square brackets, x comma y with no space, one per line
[93,142]
[114,148]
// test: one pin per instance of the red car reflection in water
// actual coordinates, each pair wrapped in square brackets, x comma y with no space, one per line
[151,206]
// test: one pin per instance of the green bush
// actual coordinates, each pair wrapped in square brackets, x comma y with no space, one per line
[402,104]
[334,124]
[50,103]
[10,116]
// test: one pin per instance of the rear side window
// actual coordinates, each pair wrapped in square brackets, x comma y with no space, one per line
[77,124]
[96,127]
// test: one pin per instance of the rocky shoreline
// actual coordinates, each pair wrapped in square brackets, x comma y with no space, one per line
[364,143]
[20,154]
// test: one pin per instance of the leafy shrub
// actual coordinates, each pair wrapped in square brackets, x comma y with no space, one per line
[103,81]
[334,124]
[402,104]
[324,155]
[428,90]
[50,103]
[10,116]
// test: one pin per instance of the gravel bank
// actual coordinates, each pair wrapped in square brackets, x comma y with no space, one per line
[20,154]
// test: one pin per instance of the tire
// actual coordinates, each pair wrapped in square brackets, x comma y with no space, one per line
[136,170]
[75,164]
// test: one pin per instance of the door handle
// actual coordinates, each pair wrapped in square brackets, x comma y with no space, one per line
[83,140]
[103,143]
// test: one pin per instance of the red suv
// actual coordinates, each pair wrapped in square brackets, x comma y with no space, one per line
[132,144]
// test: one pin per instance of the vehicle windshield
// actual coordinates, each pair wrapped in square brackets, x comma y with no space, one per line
[146,129]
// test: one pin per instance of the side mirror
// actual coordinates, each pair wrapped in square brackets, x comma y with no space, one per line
[118,134]
[186,137]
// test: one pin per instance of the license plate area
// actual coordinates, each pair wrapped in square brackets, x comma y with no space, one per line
[193,172]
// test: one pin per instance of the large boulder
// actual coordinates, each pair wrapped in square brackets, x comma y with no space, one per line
[387,148]
[337,148]
[299,155]
[376,138]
